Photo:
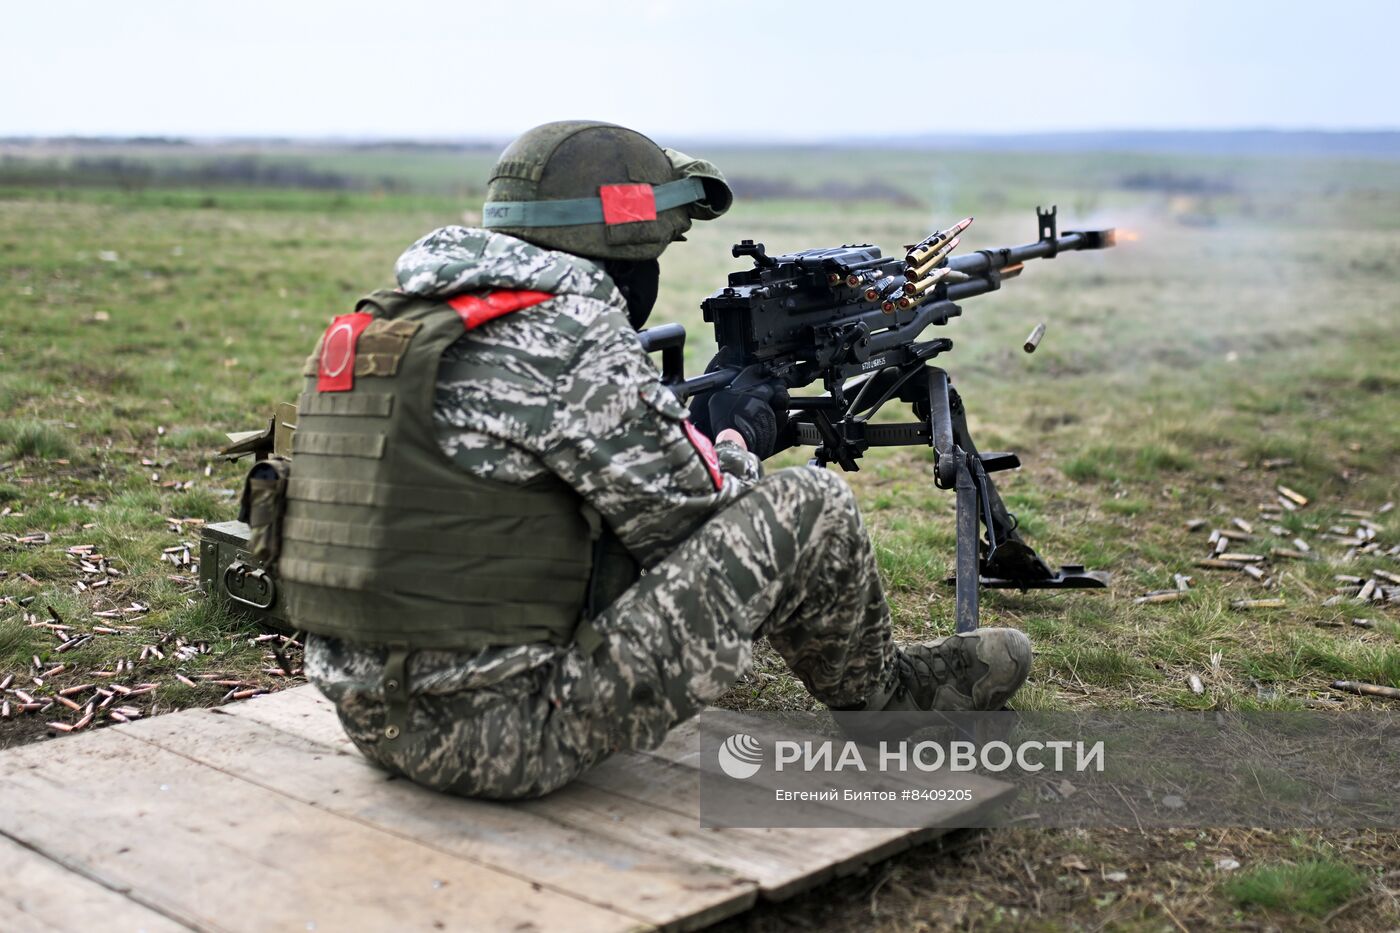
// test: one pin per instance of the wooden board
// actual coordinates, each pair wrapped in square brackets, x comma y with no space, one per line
[38,894]
[262,815]
[647,802]
[219,853]
[648,886]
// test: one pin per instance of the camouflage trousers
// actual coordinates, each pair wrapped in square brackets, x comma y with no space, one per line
[789,561]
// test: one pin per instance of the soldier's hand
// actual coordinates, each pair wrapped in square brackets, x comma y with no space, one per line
[757,412]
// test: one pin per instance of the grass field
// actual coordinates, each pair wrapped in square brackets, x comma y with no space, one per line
[1245,339]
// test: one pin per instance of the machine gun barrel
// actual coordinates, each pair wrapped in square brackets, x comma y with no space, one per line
[987,267]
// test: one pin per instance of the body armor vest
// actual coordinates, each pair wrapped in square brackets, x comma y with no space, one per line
[385,539]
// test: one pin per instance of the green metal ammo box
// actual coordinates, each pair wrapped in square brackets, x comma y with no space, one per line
[226,569]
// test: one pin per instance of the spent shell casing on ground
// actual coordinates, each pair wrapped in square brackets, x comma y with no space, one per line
[1182,582]
[1215,563]
[1254,570]
[1034,339]
[1195,524]
[1289,553]
[1258,604]
[1242,525]
[1365,689]
[1297,498]
[1160,596]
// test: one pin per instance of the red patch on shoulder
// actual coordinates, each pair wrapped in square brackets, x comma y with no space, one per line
[706,450]
[627,204]
[475,310]
[336,370]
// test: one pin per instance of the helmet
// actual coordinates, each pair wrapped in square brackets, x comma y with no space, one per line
[600,190]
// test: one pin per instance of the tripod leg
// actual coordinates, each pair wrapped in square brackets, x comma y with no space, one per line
[1011,557]
[968,570]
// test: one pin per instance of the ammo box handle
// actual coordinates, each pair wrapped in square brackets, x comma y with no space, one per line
[241,569]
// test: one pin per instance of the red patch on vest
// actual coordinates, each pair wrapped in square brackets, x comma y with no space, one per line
[627,204]
[475,310]
[336,369]
[706,450]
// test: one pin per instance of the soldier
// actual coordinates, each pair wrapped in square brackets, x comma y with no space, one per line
[514,552]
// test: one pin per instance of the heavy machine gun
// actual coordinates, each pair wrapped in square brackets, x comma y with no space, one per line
[853,320]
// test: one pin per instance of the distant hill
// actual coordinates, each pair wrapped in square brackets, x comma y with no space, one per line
[1383,144]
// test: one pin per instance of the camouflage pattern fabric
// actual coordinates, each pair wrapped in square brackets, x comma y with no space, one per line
[564,389]
[501,726]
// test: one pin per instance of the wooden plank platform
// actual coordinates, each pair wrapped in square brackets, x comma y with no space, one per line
[262,816]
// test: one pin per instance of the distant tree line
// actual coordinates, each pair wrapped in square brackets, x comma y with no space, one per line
[226,171]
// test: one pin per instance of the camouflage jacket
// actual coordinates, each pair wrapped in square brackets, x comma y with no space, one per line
[563,388]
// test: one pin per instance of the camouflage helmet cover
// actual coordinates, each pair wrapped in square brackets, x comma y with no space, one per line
[599,190]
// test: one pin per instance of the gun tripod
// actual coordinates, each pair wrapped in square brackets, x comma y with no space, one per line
[838,425]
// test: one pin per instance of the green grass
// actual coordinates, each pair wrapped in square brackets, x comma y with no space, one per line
[1313,886]
[20,439]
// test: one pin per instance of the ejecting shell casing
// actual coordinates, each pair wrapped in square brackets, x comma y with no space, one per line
[1033,340]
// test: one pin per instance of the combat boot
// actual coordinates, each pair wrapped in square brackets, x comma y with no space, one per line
[972,671]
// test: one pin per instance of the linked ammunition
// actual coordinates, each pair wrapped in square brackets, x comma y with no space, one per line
[917,269]
[927,246]
[1033,340]
[924,284]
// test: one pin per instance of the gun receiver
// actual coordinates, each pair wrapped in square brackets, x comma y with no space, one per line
[853,318]
[839,308]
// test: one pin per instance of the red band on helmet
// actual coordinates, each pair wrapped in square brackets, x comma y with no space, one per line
[627,204]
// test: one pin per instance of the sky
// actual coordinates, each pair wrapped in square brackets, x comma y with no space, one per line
[715,69]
